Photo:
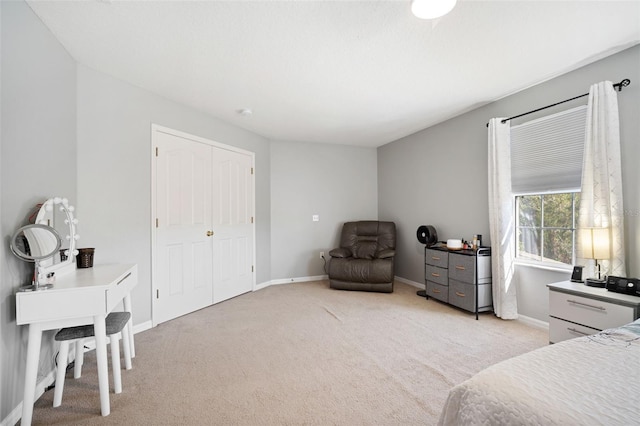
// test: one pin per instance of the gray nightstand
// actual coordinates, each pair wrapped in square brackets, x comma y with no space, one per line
[578,310]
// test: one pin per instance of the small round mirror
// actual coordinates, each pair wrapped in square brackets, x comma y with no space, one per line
[35,242]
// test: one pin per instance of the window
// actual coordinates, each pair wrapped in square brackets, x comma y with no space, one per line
[546,168]
[546,227]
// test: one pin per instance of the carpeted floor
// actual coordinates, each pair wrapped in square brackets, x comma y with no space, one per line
[298,354]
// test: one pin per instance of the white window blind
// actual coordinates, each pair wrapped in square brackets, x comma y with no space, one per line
[546,153]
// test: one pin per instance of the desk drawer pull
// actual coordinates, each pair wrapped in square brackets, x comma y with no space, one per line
[575,302]
[435,258]
[435,290]
[435,274]
[573,330]
[125,277]
[460,268]
[460,294]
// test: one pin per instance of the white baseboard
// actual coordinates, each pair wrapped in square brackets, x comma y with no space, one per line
[324,277]
[533,322]
[291,280]
[16,414]
[139,328]
[413,283]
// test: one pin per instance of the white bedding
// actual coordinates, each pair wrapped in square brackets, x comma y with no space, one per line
[591,380]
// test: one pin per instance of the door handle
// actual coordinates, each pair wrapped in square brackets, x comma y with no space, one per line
[209,233]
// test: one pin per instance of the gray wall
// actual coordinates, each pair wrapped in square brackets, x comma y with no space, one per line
[114,173]
[336,182]
[37,160]
[443,171]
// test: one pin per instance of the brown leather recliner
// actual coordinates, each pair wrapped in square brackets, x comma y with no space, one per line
[365,259]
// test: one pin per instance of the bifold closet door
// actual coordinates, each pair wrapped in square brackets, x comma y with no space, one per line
[184,263]
[204,236]
[232,224]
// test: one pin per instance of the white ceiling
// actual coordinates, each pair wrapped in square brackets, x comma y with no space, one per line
[360,73]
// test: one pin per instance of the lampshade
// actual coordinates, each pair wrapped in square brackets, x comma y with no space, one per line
[431,9]
[594,243]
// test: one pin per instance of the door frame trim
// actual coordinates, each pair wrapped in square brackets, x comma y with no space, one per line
[156,128]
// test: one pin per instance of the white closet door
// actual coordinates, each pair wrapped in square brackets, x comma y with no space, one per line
[232,224]
[183,251]
[203,231]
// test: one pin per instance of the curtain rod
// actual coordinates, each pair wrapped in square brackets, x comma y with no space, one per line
[619,86]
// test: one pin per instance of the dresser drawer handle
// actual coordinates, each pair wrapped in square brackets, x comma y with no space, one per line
[435,290]
[435,274]
[573,330]
[460,268]
[587,305]
[459,294]
[435,258]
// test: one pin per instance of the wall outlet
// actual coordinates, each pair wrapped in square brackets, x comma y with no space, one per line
[321,255]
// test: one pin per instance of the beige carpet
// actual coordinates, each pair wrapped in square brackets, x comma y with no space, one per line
[298,354]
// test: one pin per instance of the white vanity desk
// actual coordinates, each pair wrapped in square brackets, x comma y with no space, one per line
[83,296]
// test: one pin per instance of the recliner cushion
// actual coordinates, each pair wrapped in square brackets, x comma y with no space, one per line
[366,238]
[361,270]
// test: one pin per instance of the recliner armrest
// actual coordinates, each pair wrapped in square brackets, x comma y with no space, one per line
[385,254]
[340,252]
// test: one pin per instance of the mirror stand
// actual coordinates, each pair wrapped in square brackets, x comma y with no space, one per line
[36,284]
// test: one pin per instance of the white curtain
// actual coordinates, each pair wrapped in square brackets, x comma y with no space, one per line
[601,192]
[501,220]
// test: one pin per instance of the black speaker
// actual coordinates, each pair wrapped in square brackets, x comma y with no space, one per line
[427,235]
[576,275]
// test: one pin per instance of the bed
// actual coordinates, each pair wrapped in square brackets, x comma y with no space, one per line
[591,380]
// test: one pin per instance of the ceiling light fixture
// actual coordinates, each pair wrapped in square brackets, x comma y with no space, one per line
[431,9]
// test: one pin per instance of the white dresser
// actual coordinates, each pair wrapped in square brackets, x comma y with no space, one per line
[578,310]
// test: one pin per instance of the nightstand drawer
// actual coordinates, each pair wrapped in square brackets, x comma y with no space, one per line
[438,275]
[589,312]
[560,330]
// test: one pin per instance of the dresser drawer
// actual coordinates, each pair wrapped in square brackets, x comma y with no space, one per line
[123,287]
[438,275]
[436,258]
[462,295]
[437,291]
[589,312]
[560,330]
[462,268]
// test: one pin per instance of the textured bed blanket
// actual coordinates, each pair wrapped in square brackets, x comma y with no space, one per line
[591,380]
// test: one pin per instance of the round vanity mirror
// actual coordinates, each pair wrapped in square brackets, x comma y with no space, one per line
[36,243]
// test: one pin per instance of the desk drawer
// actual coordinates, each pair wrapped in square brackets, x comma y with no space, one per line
[438,275]
[588,312]
[54,304]
[122,288]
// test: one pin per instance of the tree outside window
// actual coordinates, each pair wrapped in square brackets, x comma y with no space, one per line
[546,227]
